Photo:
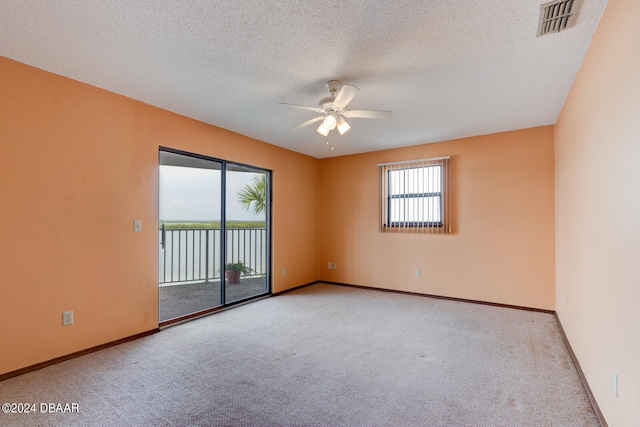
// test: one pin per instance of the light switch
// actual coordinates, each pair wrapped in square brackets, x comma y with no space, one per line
[137,226]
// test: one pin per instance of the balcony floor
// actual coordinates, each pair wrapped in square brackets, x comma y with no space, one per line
[182,299]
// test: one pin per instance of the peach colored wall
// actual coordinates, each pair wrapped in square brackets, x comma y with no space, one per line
[597,140]
[502,249]
[77,165]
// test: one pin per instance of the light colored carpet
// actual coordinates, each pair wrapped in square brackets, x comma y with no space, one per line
[324,355]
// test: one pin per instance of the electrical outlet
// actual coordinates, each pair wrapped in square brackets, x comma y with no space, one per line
[614,381]
[137,226]
[330,265]
[284,271]
[418,273]
[334,266]
[67,318]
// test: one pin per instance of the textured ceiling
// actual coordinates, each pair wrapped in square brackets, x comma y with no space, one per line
[446,68]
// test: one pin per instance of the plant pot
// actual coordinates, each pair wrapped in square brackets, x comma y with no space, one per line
[233,276]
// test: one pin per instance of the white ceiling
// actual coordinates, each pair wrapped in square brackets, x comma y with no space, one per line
[446,68]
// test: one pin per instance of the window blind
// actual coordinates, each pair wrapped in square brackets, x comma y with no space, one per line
[414,196]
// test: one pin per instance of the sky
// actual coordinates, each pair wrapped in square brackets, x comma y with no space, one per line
[192,194]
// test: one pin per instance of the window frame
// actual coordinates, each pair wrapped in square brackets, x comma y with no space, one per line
[421,191]
[420,223]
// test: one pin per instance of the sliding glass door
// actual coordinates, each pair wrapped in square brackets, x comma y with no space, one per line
[246,231]
[213,234]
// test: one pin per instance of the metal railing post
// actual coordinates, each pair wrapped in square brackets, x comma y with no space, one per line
[206,257]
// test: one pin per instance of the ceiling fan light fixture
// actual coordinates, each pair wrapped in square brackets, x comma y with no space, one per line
[332,110]
[342,125]
[330,122]
[323,130]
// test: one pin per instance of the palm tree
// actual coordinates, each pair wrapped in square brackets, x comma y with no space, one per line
[253,197]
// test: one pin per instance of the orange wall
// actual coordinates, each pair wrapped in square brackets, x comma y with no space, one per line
[502,249]
[597,140]
[77,165]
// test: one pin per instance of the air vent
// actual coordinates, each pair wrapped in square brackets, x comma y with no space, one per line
[558,15]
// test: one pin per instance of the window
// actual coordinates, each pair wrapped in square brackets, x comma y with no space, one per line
[414,196]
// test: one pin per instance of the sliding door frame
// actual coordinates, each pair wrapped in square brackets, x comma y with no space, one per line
[223,232]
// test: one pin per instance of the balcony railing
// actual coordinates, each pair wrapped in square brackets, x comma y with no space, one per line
[193,254]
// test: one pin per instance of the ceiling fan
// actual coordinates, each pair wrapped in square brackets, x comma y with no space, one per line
[333,110]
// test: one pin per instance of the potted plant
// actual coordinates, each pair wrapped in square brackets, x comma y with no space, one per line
[233,270]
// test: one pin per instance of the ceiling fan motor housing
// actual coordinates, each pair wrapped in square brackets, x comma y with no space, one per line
[327,104]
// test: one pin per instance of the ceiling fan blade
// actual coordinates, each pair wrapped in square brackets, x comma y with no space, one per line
[368,114]
[308,122]
[345,95]
[302,107]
